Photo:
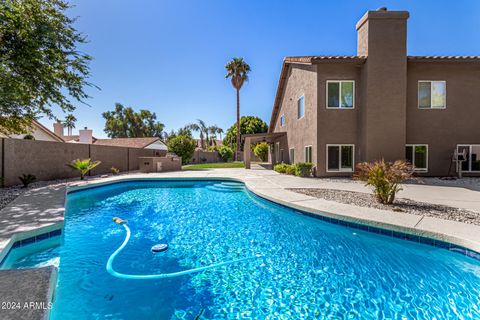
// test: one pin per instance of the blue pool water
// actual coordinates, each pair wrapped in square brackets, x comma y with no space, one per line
[309,269]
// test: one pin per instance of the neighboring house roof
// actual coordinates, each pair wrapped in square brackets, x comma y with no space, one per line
[50,133]
[129,142]
[344,59]
[75,138]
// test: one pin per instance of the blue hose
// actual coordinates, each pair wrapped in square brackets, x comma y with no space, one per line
[161,275]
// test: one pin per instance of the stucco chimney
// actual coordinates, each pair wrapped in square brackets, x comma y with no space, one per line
[382,37]
[382,32]
[58,129]
[86,136]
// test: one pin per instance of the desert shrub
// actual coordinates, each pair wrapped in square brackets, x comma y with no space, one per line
[114,170]
[384,177]
[83,166]
[26,179]
[226,153]
[183,146]
[281,167]
[303,169]
[261,151]
[28,137]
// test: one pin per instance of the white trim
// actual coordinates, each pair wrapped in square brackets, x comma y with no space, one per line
[292,161]
[305,153]
[340,157]
[340,95]
[302,96]
[282,120]
[413,155]
[431,96]
[469,156]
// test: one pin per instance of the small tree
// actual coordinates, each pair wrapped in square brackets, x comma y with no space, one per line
[384,177]
[261,151]
[226,153]
[83,166]
[182,146]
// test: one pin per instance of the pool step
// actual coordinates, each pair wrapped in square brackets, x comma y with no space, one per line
[225,188]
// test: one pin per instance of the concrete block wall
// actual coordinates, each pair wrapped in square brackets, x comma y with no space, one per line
[48,160]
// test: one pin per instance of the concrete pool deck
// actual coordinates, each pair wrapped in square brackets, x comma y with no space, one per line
[44,207]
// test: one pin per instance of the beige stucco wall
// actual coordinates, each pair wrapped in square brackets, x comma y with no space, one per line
[47,160]
[302,80]
[443,129]
[337,126]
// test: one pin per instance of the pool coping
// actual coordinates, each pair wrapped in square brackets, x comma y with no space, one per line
[399,225]
[425,233]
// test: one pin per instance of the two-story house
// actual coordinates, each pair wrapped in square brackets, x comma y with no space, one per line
[336,111]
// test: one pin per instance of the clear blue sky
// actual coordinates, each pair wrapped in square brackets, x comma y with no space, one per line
[169,56]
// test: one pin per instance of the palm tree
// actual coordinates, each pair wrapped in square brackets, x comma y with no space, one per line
[70,123]
[83,166]
[202,128]
[213,134]
[220,131]
[238,70]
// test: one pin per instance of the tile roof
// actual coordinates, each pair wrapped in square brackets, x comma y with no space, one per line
[312,59]
[128,142]
[444,58]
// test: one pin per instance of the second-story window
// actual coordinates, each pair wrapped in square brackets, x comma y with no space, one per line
[282,120]
[301,107]
[432,94]
[340,94]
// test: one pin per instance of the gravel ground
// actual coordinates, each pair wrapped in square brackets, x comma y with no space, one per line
[401,205]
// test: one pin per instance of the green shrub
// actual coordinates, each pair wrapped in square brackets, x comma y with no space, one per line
[303,169]
[183,146]
[385,177]
[281,167]
[114,170]
[225,152]
[261,151]
[83,166]
[26,179]
[291,169]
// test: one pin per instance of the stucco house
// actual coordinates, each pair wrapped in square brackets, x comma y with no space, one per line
[336,111]
[37,131]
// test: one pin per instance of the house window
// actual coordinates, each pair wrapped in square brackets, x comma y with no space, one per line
[472,161]
[308,154]
[282,120]
[432,94]
[291,155]
[301,107]
[340,157]
[417,154]
[340,94]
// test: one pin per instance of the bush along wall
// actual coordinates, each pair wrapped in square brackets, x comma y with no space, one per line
[301,169]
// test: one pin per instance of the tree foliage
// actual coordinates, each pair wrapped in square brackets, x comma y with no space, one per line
[248,125]
[183,146]
[124,122]
[261,151]
[40,63]
[225,152]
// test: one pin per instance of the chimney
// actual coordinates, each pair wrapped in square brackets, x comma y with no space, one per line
[86,136]
[382,32]
[58,129]
[382,38]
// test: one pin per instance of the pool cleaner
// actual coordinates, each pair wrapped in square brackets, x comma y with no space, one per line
[114,273]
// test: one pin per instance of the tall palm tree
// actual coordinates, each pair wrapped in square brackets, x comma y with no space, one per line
[238,70]
[70,123]
[201,127]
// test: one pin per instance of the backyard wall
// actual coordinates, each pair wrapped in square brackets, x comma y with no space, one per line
[200,156]
[47,160]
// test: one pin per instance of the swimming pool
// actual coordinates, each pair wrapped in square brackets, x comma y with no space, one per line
[309,268]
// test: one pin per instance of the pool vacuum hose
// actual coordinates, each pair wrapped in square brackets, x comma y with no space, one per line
[160,275]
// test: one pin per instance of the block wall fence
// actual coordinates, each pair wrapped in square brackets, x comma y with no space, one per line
[47,160]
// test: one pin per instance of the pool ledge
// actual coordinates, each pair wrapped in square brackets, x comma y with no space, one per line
[457,233]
